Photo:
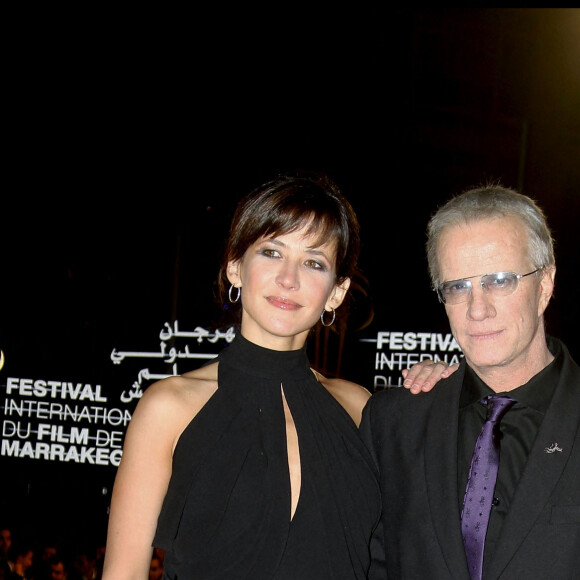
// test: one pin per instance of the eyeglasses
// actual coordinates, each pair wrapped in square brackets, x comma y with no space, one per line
[498,284]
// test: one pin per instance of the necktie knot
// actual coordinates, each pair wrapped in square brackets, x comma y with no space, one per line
[497,405]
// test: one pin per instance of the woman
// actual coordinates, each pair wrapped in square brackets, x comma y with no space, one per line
[252,466]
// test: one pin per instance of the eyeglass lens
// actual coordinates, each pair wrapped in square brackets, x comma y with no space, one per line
[497,284]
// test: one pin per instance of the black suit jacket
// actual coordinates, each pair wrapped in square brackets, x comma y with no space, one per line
[414,441]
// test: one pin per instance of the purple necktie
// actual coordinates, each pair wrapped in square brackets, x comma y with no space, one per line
[481,484]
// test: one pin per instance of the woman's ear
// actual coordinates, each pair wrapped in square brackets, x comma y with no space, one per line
[337,295]
[233,273]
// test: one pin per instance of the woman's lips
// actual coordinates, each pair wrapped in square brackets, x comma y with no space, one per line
[283,303]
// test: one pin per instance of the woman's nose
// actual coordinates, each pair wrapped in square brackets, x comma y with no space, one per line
[288,276]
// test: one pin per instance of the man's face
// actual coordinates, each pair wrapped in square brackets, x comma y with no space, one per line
[27,560]
[57,571]
[495,332]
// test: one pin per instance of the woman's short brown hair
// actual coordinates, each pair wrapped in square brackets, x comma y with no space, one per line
[285,204]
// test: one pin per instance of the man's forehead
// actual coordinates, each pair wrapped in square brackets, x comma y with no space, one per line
[482,247]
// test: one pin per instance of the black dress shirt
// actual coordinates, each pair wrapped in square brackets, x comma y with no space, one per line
[518,428]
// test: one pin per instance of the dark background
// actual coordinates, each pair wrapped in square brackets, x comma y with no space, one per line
[132,137]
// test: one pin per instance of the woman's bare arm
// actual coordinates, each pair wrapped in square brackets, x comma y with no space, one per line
[140,486]
[162,414]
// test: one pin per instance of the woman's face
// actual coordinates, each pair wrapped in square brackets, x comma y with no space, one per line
[285,283]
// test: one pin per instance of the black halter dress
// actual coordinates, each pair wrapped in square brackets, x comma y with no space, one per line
[226,514]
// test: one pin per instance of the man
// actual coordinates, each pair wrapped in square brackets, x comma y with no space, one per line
[56,567]
[491,261]
[23,560]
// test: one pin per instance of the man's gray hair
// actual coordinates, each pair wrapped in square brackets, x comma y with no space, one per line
[489,202]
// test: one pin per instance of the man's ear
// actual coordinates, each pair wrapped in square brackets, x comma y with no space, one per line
[337,295]
[546,288]
[233,273]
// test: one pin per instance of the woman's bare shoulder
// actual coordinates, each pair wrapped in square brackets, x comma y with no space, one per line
[351,396]
[191,387]
[173,402]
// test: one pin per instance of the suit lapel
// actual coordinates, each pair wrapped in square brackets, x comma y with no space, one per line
[542,470]
[441,473]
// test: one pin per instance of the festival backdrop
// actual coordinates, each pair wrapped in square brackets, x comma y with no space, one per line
[114,228]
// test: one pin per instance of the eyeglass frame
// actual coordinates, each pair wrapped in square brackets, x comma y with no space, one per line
[481,277]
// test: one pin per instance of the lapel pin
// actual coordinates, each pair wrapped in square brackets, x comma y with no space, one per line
[553,448]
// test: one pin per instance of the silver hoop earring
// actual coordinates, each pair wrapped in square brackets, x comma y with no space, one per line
[234,300]
[333,317]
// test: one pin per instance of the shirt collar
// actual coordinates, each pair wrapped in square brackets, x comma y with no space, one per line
[536,393]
